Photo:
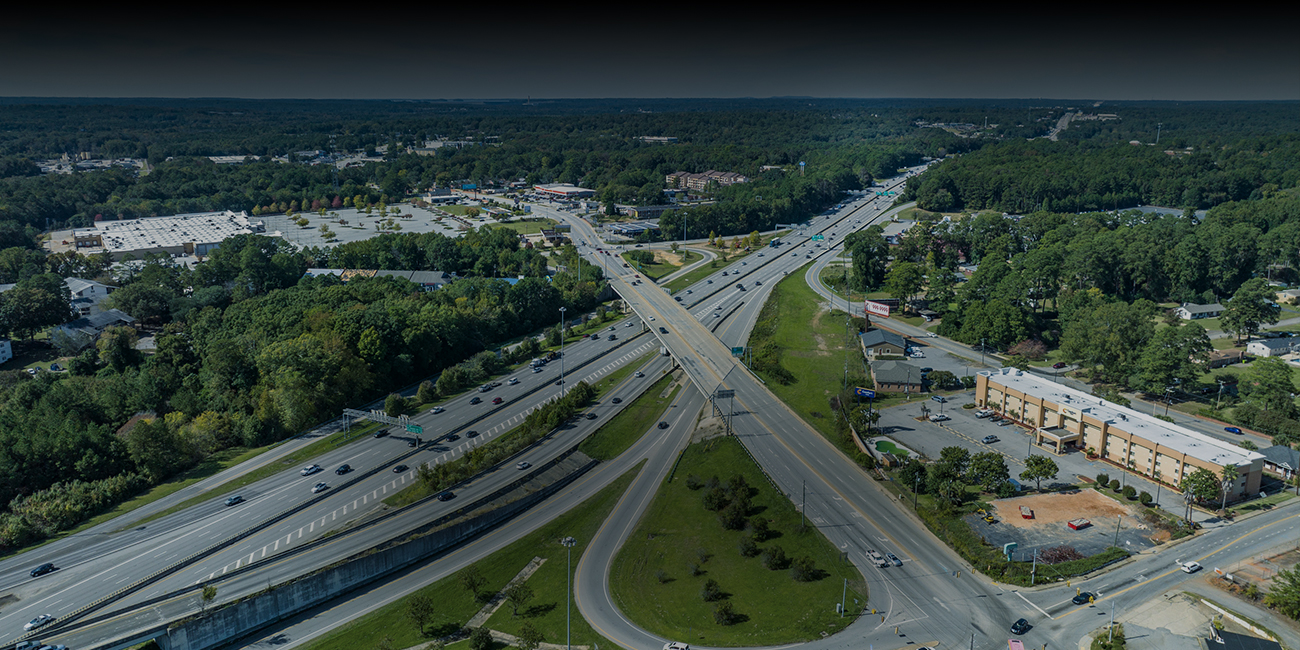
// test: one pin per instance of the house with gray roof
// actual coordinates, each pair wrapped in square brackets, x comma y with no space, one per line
[1281,460]
[1193,311]
[1273,347]
[879,342]
[896,376]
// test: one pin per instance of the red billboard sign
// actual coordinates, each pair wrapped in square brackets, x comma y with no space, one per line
[876,309]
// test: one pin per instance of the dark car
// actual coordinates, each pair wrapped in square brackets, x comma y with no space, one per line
[343,469]
[1058,365]
[470,434]
[591,416]
[927,370]
[663,425]
[446,496]
[381,433]
[1082,599]
[475,400]
[559,382]
[617,400]
[663,330]
[497,400]
[1020,627]
[43,569]
[230,502]
[453,437]
[400,468]
[1235,430]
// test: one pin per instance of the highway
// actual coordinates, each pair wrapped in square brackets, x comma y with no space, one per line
[107,559]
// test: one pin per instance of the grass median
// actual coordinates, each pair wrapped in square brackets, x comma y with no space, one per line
[624,429]
[390,626]
[660,576]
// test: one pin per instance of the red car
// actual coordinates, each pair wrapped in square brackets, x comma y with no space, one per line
[496,400]
[1058,365]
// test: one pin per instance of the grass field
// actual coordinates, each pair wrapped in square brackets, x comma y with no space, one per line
[653,271]
[687,280]
[530,227]
[677,530]
[624,429]
[390,627]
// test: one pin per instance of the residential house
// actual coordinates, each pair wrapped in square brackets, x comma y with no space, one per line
[1193,311]
[896,376]
[1281,460]
[880,342]
[1273,347]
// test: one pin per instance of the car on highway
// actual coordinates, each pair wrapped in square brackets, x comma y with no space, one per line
[663,425]
[1236,430]
[476,400]
[437,409]
[378,434]
[591,416]
[43,569]
[513,381]
[894,558]
[537,369]
[343,469]
[453,437]
[559,382]
[939,398]
[1189,567]
[638,374]
[617,400]
[628,324]
[663,330]
[38,622]
[400,468]
[677,298]
[876,558]
[989,439]
[497,400]
[1020,626]
[310,469]
[523,464]
[446,496]
[1058,365]
[1082,599]
[708,282]
[229,502]
[931,335]
[319,487]
[468,434]
[613,337]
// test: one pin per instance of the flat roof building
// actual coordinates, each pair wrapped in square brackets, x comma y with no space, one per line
[1062,417]
[562,191]
[183,234]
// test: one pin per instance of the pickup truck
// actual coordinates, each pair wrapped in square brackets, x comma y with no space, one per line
[877,559]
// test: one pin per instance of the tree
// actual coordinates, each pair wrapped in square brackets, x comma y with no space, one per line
[518,594]
[1228,477]
[870,254]
[988,469]
[1284,592]
[1038,468]
[1201,483]
[1251,306]
[903,281]
[395,405]
[710,591]
[803,569]
[529,637]
[1173,355]
[1269,382]
[480,639]
[472,581]
[724,613]
[420,608]
[1112,335]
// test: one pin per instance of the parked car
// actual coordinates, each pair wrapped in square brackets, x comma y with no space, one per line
[990,439]
[1058,365]
[229,502]
[983,413]
[939,417]
[1004,423]
[49,567]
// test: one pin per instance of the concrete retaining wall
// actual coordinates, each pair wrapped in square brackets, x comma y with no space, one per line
[249,614]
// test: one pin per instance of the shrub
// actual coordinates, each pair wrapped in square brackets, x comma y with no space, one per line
[661,576]
[803,569]
[733,516]
[724,613]
[694,482]
[710,591]
[1145,498]
[694,569]
[1059,554]
[1130,492]
[757,527]
[1114,485]
[774,558]
[1103,480]
[746,546]
[715,499]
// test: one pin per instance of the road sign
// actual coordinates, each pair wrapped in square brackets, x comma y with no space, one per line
[724,394]
[818,238]
[414,428]
[735,352]
[865,392]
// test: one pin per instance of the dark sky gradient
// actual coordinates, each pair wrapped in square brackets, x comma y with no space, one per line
[569,53]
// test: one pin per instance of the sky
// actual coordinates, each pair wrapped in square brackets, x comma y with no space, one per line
[476,53]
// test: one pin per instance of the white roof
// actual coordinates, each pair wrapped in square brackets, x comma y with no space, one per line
[1166,434]
[161,232]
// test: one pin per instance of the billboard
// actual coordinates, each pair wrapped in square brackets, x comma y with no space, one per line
[875,308]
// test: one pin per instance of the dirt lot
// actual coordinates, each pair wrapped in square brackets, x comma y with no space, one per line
[1060,507]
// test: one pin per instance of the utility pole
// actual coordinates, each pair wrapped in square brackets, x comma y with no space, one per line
[803,509]
[562,351]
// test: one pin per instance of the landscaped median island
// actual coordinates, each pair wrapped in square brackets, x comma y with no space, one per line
[446,606]
[721,559]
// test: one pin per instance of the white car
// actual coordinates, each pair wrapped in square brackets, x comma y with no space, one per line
[674,645]
[932,335]
[627,325]
[513,381]
[437,409]
[1189,567]
[39,621]
[939,417]
[319,487]
[310,469]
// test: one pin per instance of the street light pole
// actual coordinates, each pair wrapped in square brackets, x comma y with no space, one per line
[562,351]
[568,592]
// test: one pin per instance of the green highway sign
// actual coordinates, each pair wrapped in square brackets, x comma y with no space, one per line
[818,237]
[414,428]
[735,352]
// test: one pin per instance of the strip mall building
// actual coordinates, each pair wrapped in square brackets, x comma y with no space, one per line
[1059,416]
